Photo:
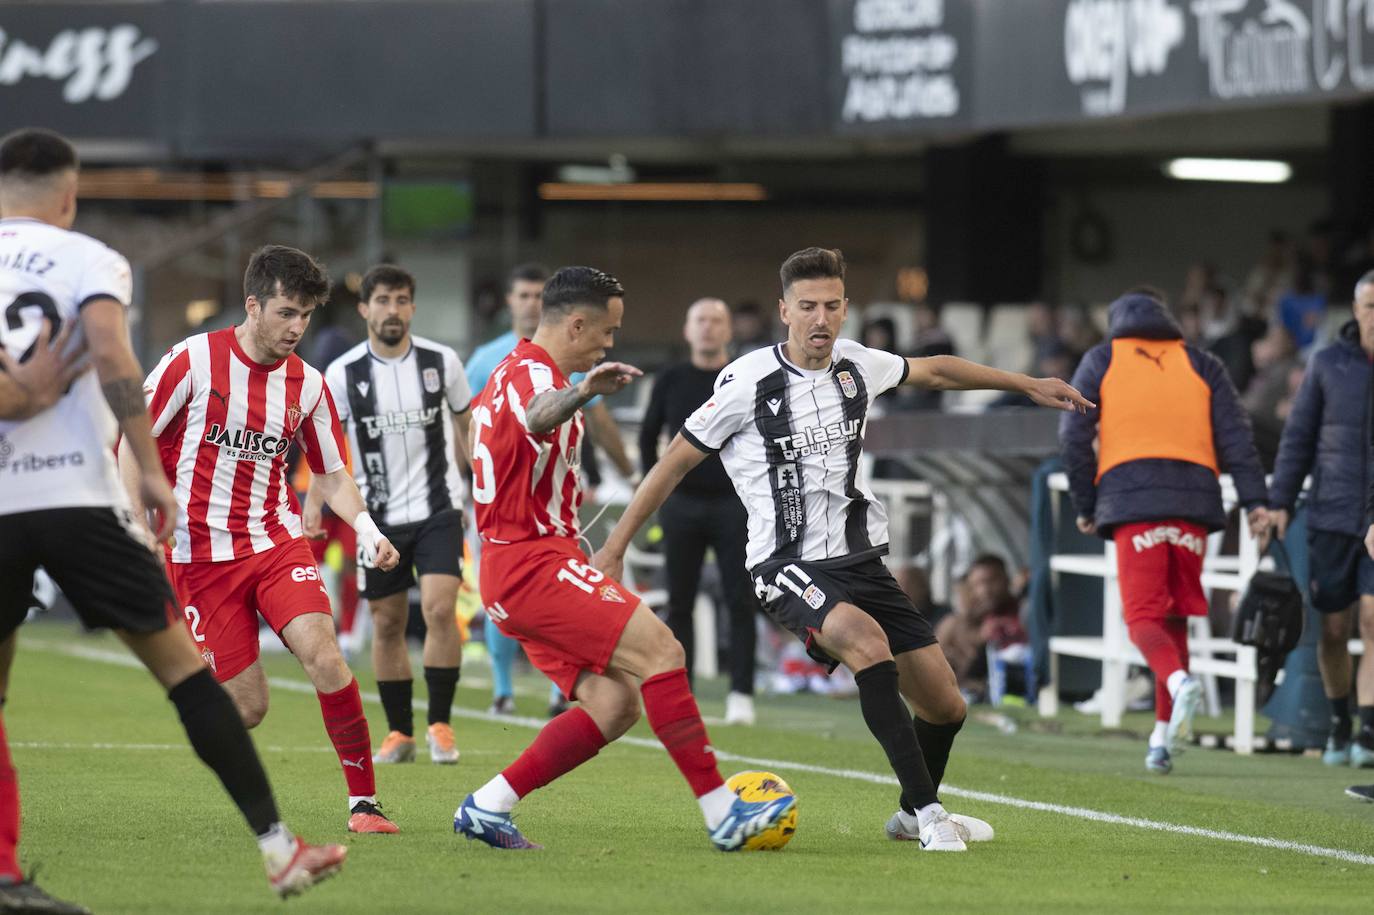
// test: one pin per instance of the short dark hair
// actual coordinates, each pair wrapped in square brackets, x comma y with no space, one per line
[812,264]
[574,286]
[989,561]
[35,153]
[385,275]
[526,273]
[277,269]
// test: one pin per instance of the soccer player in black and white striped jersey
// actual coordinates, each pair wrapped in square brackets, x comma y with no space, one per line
[788,423]
[404,400]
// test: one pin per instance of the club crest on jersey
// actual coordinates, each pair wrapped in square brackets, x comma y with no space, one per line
[431,380]
[847,385]
[609,593]
[208,657]
[293,417]
[814,597]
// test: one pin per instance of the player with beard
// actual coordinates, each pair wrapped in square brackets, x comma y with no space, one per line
[788,423]
[404,400]
[225,408]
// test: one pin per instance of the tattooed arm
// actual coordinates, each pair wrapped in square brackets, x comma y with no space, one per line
[121,380]
[552,409]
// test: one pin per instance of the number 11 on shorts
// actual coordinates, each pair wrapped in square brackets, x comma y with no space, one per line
[580,575]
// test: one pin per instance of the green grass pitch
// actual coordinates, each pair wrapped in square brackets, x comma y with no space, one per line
[121,816]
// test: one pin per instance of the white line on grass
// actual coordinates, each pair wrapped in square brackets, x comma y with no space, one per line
[1082,813]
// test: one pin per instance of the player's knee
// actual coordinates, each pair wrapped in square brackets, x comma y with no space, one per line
[388,627]
[666,654]
[439,614]
[948,707]
[621,717]
[252,711]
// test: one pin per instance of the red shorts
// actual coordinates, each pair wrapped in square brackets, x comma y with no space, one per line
[1159,565]
[222,600]
[566,615]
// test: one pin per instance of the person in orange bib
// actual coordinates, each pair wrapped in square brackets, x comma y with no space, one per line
[1143,473]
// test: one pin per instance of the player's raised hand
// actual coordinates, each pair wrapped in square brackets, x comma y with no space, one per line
[613,566]
[49,371]
[387,556]
[160,504]
[609,377]
[1059,394]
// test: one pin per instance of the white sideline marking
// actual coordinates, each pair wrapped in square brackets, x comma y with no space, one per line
[1082,813]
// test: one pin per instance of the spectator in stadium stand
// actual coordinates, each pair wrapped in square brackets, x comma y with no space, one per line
[1054,360]
[881,334]
[1169,423]
[1275,360]
[931,340]
[1078,330]
[1042,325]
[524,288]
[1196,281]
[1303,306]
[1325,437]
[987,612]
[753,329]
[1190,323]
[704,510]
[1269,277]
[1229,332]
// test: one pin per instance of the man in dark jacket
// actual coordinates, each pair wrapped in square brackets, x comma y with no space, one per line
[1325,436]
[1168,423]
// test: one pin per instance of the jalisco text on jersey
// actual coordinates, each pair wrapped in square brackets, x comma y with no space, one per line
[250,444]
[398,421]
[818,439]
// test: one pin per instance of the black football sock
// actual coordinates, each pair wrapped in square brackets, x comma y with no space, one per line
[887,717]
[441,682]
[1366,736]
[936,741]
[1340,717]
[396,700]
[221,741]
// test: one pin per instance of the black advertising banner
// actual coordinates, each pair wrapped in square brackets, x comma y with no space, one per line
[91,70]
[901,65]
[1057,61]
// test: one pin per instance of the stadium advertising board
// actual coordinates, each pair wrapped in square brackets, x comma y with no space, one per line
[90,70]
[900,64]
[1064,60]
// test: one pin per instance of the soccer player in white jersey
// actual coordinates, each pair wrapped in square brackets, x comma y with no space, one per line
[225,407]
[788,423]
[404,401]
[62,507]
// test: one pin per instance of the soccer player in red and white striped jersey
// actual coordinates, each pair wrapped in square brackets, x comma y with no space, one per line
[592,637]
[225,407]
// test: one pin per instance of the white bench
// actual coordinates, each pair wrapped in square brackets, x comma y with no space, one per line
[1114,649]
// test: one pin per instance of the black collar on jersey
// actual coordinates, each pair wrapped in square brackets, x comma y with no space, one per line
[783,361]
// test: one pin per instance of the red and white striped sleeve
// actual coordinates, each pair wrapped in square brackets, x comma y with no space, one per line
[168,387]
[321,436]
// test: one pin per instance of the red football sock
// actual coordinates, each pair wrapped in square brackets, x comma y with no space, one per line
[1161,647]
[9,812]
[676,721]
[565,743]
[347,727]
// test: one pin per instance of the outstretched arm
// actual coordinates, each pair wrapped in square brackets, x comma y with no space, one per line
[950,373]
[680,457]
[551,409]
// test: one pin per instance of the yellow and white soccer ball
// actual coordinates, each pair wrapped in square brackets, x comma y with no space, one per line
[765,786]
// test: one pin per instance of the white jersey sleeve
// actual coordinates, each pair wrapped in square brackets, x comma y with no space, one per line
[458,393]
[336,379]
[107,275]
[728,411]
[886,369]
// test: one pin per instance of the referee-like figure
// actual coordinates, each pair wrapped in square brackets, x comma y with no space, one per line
[704,510]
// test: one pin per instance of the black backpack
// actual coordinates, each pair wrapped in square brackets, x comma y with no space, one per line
[1270,617]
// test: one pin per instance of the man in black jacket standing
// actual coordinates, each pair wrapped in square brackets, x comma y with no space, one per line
[704,510]
[1325,436]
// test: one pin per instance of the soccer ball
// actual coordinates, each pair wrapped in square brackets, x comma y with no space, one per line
[765,786]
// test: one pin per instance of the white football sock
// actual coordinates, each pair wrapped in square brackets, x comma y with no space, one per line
[1158,735]
[715,804]
[353,800]
[496,795]
[1175,680]
[926,813]
[278,846]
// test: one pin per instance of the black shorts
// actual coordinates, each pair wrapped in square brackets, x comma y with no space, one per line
[430,547]
[1340,569]
[99,560]
[798,595]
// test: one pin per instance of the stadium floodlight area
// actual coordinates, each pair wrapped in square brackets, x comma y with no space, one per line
[1244,171]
